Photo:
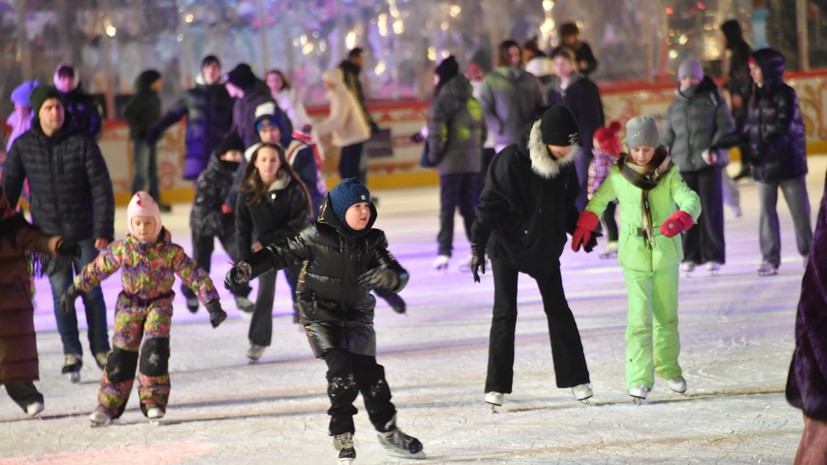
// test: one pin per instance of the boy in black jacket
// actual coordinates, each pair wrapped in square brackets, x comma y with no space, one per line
[342,259]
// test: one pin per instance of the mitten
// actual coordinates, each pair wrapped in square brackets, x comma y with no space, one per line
[67,300]
[217,315]
[586,223]
[383,278]
[679,222]
[226,209]
[68,249]
[238,276]
[477,260]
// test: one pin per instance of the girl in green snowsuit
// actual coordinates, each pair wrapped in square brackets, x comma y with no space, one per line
[648,188]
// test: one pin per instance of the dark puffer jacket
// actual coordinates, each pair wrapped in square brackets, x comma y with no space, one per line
[527,205]
[697,120]
[209,112]
[70,184]
[336,310]
[456,129]
[87,113]
[774,127]
[738,80]
[144,109]
[211,188]
[279,215]
[582,99]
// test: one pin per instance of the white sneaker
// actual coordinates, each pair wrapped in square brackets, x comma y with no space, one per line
[99,418]
[494,398]
[677,384]
[767,269]
[441,262]
[582,392]
[154,413]
[639,392]
[34,409]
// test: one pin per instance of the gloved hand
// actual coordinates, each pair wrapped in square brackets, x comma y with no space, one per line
[586,224]
[67,300]
[417,138]
[477,261]
[226,209]
[679,222]
[710,155]
[217,315]
[382,278]
[68,249]
[238,276]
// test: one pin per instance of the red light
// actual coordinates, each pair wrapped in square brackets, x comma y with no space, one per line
[701,5]
[669,10]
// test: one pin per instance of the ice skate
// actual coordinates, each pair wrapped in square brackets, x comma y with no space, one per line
[344,444]
[713,268]
[677,384]
[767,269]
[154,414]
[687,268]
[465,265]
[495,399]
[72,364]
[101,358]
[639,394]
[34,409]
[582,392]
[441,263]
[244,304]
[99,418]
[610,251]
[192,304]
[400,444]
[254,352]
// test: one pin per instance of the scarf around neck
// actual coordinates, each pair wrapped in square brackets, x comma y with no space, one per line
[646,177]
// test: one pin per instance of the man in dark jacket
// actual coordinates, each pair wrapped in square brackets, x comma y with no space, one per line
[87,114]
[526,208]
[775,130]
[738,85]
[71,196]
[142,112]
[209,112]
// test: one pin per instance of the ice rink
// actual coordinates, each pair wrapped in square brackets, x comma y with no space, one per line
[736,333]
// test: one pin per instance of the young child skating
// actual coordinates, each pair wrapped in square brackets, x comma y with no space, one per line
[647,187]
[342,259]
[20,242]
[148,262]
[606,152]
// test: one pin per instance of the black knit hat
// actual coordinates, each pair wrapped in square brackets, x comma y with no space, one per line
[241,76]
[558,127]
[348,192]
[231,142]
[447,69]
[42,93]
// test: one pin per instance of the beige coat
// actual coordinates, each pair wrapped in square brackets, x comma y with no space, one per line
[345,124]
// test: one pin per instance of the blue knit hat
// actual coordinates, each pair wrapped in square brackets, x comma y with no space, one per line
[348,192]
[22,94]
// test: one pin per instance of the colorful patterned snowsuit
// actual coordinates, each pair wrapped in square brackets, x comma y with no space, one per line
[143,311]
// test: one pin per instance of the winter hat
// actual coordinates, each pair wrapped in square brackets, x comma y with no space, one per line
[22,94]
[145,80]
[607,138]
[690,68]
[42,93]
[558,127]
[348,192]
[231,142]
[142,204]
[447,69]
[641,131]
[241,76]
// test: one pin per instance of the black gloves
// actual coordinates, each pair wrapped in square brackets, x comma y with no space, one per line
[238,276]
[68,249]
[217,315]
[67,300]
[477,260]
[417,138]
[384,278]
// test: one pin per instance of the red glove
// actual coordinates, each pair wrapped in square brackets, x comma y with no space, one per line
[226,209]
[586,223]
[679,222]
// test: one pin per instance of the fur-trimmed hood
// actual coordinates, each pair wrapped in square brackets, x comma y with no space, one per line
[542,162]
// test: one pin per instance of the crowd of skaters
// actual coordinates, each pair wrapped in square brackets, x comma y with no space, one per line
[525,138]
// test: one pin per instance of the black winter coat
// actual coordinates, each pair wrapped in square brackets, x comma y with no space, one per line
[144,109]
[527,205]
[336,310]
[739,81]
[87,113]
[582,99]
[211,188]
[774,127]
[209,112]
[70,184]
[279,215]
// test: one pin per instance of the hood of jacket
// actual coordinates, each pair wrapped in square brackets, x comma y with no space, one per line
[542,163]
[705,86]
[75,82]
[771,63]
[327,217]
[164,238]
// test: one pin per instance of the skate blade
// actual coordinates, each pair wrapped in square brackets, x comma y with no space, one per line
[586,401]
[155,422]
[93,424]
[345,461]
[638,400]
[404,454]
[74,377]
[608,255]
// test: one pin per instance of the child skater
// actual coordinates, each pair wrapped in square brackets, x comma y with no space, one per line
[208,221]
[272,206]
[342,259]
[148,262]
[606,151]
[19,243]
[647,188]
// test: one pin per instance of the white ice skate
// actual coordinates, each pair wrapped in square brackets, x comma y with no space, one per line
[72,363]
[441,263]
[465,265]
[713,268]
[639,394]
[244,304]
[767,269]
[400,444]
[582,392]
[677,384]
[687,268]
[610,251]
[99,418]
[344,444]
[254,352]
[495,399]
[34,409]
[154,414]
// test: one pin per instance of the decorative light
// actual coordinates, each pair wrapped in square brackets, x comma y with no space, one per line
[398,26]
[548,5]
[109,29]
[673,54]
[683,39]
[189,17]
[350,39]
[380,68]
[454,10]
[432,53]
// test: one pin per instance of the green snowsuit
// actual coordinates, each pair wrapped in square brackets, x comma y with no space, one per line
[651,273]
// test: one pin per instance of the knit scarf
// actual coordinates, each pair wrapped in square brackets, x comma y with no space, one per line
[646,177]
